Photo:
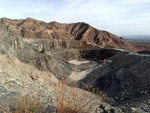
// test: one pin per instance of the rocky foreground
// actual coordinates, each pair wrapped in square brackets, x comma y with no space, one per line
[35,55]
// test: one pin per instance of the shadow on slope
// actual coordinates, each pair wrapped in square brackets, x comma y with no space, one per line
[124,78]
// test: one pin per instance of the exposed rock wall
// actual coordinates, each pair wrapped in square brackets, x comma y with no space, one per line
[44,54]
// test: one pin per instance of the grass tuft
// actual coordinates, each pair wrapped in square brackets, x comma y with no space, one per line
[24,104]
[71,100]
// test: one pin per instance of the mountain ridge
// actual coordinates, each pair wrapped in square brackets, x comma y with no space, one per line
[32,28]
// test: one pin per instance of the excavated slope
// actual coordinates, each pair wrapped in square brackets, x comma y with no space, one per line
[45,54]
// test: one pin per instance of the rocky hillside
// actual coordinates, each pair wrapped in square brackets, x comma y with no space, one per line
[32,59]
[26,67]
[31,28]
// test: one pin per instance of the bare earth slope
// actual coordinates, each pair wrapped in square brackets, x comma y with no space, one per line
[124,78]
[18,80]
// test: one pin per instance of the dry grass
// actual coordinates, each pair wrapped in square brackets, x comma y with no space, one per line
[72,100]
[24,104]
[69,100]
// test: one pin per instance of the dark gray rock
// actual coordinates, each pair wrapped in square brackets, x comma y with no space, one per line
[125,80]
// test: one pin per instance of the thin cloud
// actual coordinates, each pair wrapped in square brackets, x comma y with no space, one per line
[111,15]
[136,1]
[38,10]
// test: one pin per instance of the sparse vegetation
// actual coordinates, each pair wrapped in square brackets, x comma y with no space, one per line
[70,100]
[24,104]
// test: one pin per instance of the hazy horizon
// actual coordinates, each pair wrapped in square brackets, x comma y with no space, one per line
[120,17]
[141,37]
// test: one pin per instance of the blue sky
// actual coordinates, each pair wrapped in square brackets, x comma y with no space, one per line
[120,17]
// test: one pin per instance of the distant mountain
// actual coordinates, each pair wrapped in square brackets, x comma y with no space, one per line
[31,28]
[136,37]
[140,42]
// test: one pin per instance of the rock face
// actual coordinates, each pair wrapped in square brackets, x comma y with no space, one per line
[31,28]
[40,52]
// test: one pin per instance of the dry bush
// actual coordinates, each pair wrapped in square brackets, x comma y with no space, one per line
[73,100]
[24,104]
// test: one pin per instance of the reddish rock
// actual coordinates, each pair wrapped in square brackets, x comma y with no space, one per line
[31,28]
